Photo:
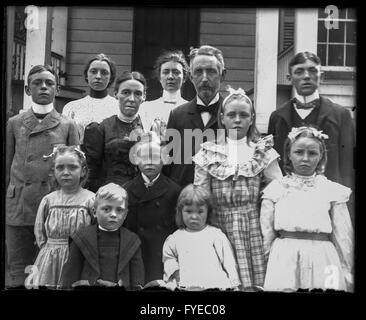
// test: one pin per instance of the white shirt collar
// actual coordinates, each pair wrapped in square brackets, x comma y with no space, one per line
[214,100]
[101,228]
[123,118]
[42,109]
[171,96]
[307,99]
[239,141]
[147,180]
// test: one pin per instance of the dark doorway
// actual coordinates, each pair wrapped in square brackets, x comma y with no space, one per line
[158,29]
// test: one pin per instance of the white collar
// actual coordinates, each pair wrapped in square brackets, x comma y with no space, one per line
[171,96]
[295,175]
[123,118]
[307,99]
[147,180]
[236,142]
[99,99]
[42,108]
[214,100]
[101,228]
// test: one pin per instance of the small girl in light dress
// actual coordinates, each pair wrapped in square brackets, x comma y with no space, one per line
[198,256]
[235,169]
[307,231]
[60,214]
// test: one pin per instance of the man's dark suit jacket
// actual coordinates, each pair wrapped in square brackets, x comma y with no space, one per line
[336,122]
[184,117]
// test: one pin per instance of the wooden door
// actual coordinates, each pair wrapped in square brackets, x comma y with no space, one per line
[161,28]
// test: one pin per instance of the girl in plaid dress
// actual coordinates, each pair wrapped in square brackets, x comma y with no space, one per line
[235,169]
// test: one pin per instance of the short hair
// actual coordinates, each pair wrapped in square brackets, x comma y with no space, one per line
[127,75]
[307,133]
[207,50]
[175,56]
[197,195]
[102,57]
[253,133]
[41,68]
[61,150]
[111,191]
[302,57]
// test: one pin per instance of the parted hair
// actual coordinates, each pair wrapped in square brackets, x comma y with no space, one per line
[173,55]
[287,164]
[207,50]
[194,195]
[127,75]
[302,57]
[102,57]
[41,68]
[111,191]
[253,133]
[75,150]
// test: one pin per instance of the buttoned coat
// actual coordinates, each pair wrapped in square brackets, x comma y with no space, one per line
[336,122]
[151,215]
[28,143]
[83,261]
[187,117]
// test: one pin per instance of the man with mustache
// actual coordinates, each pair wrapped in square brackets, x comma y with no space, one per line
[207,71]
[309,108]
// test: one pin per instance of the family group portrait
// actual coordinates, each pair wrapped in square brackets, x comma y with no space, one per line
[180,148]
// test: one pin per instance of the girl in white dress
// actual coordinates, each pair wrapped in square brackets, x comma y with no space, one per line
[198,256]
[60,214]
[306,226]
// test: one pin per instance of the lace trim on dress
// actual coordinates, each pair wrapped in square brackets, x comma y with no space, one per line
[332,191]
[212,157]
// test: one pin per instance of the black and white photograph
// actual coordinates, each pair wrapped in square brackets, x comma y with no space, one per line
[178,149]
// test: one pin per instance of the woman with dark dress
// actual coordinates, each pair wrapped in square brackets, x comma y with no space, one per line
[107,144]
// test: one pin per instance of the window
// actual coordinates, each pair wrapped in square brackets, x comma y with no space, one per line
[337,46]
[286,29]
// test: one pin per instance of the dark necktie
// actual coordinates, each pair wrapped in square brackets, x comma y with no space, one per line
[309,105]
[40,115]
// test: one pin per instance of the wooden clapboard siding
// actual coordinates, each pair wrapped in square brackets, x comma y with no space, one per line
[92,30]
[103,36]
[232,30]
[341,92]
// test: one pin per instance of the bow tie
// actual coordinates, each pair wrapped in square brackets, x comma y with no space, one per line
[210,109]
[309,105]
[172,102]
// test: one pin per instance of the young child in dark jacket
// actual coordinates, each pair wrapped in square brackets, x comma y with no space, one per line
[152,200]
[106,254]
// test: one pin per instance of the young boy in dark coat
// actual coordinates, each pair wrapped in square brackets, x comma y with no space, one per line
[152,201]
[106,254]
